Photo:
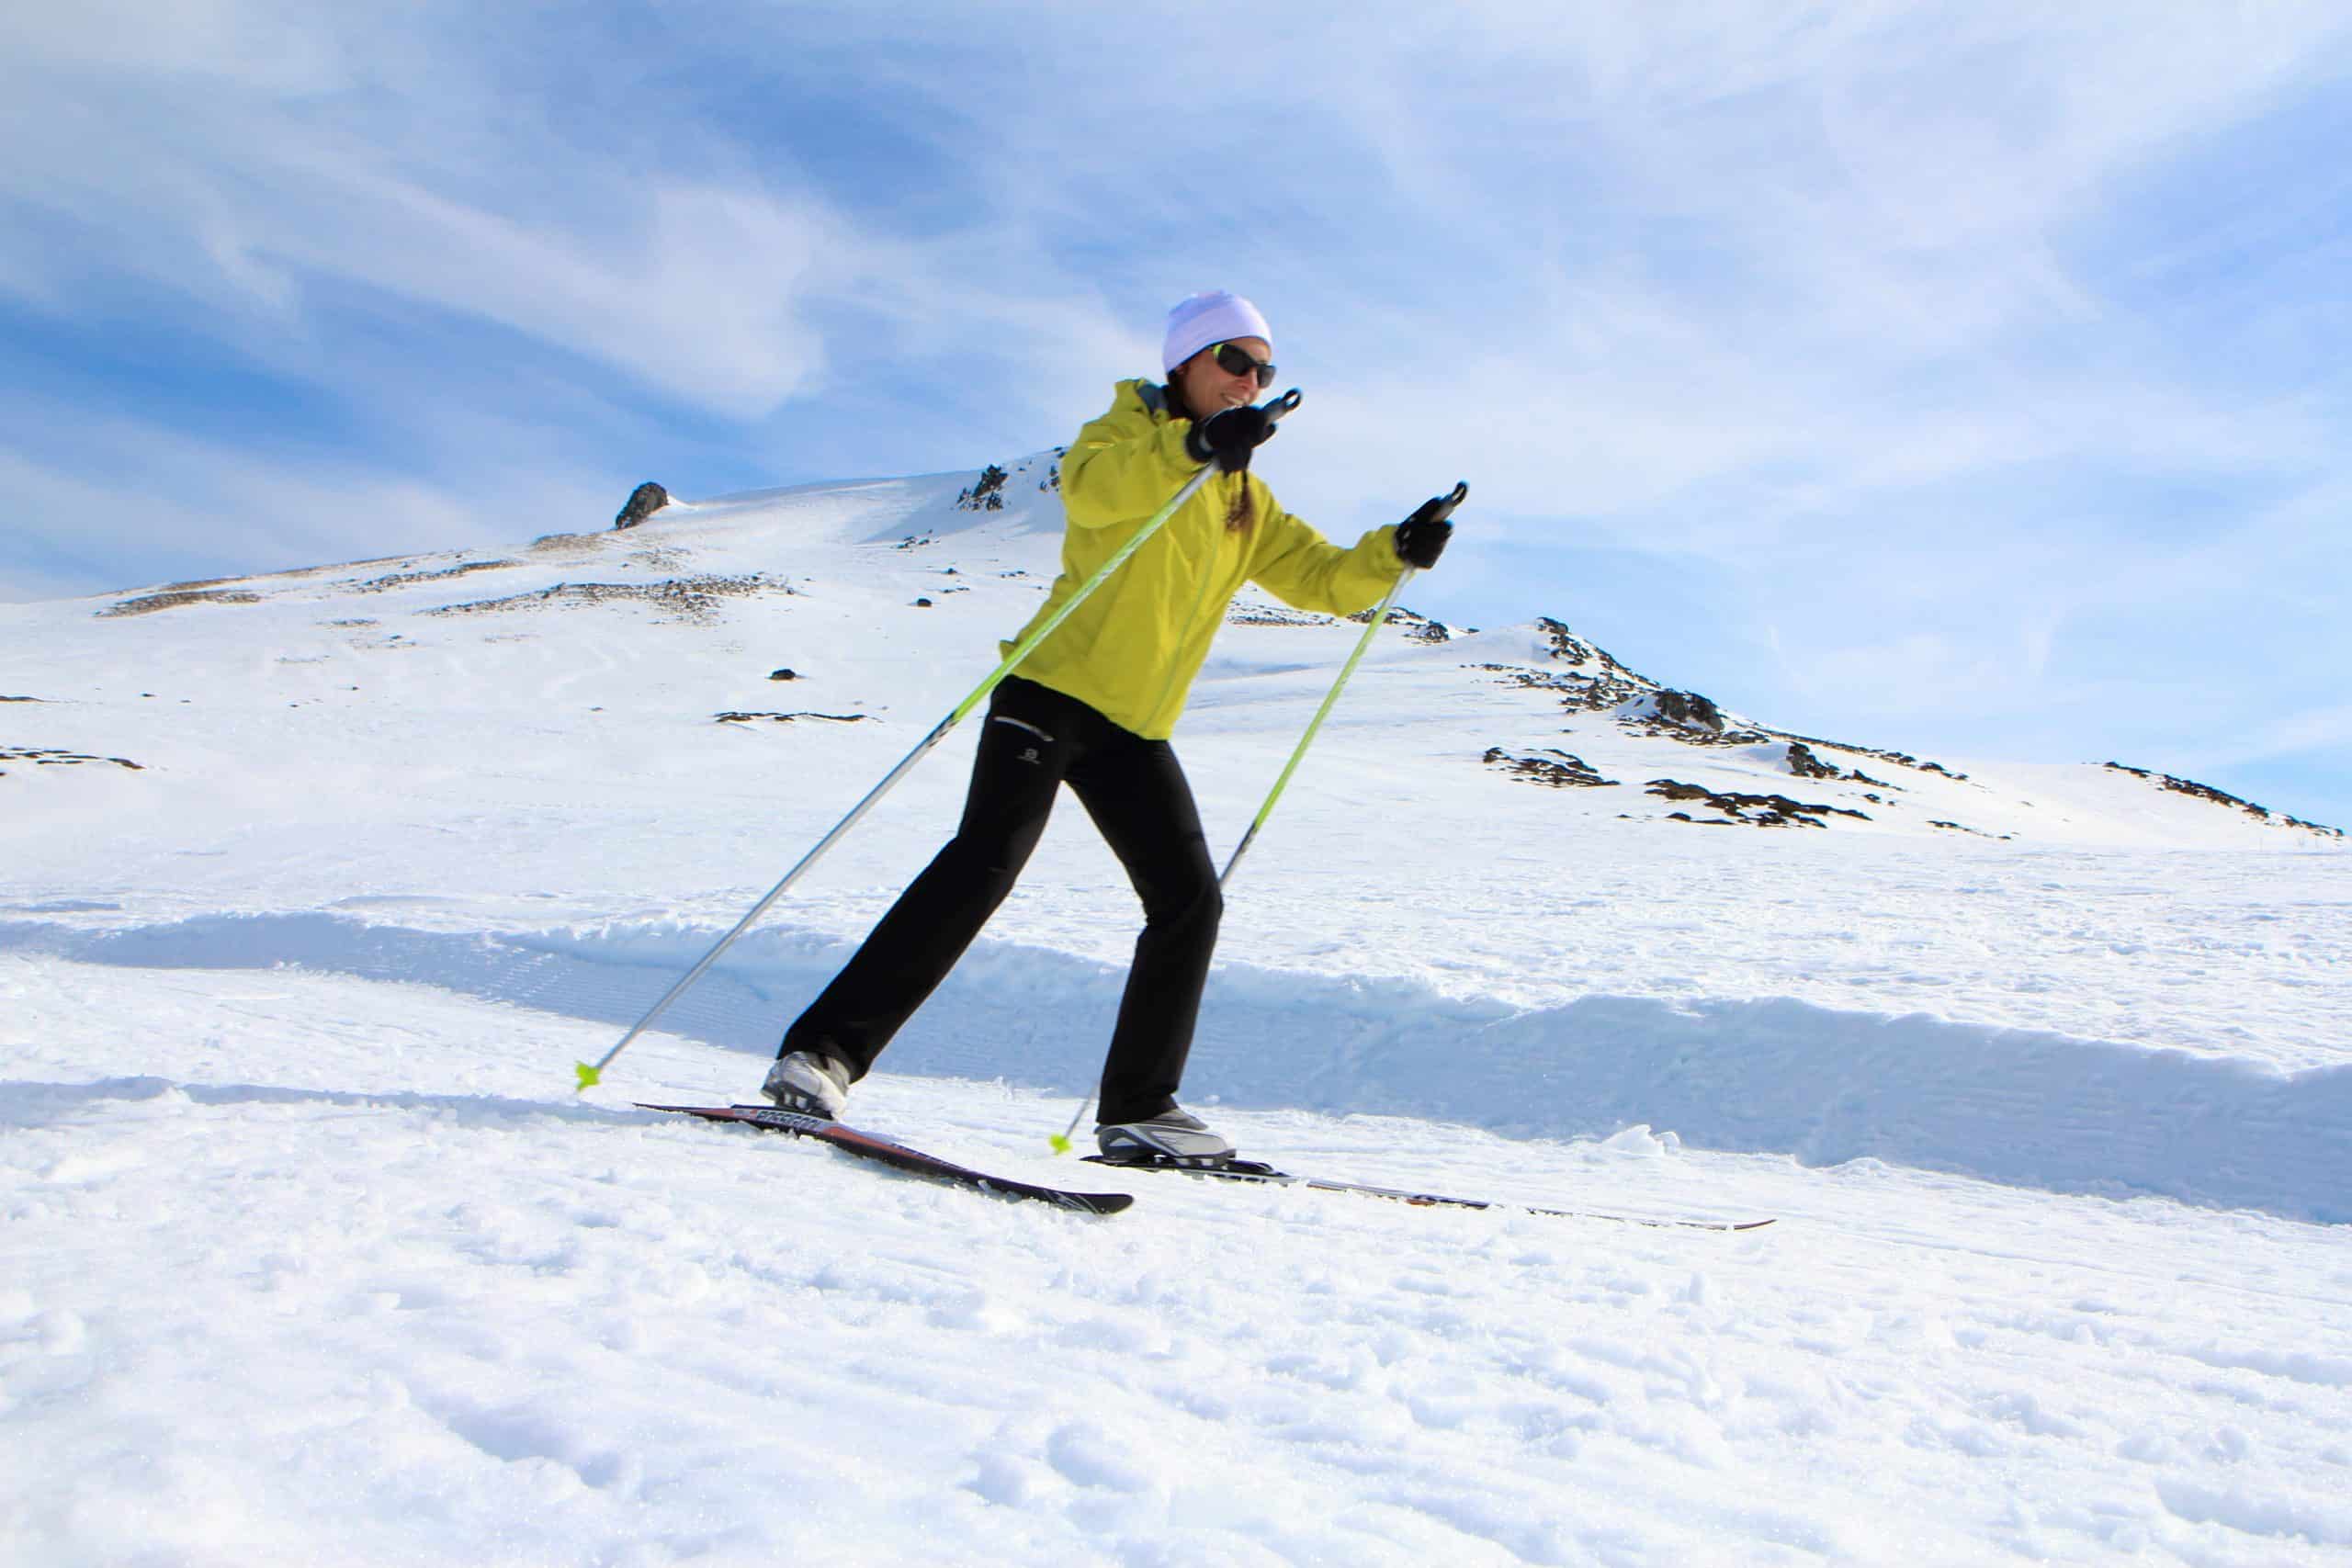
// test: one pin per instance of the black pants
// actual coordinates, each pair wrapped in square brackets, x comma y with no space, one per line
[1035,741]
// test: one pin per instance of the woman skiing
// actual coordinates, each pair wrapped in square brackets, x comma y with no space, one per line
[1093,707]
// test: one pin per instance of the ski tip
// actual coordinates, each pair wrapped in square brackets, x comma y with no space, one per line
[1059,1143]
[589,1076]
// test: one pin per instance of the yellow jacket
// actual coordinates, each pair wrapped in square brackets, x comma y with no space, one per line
[1131,650]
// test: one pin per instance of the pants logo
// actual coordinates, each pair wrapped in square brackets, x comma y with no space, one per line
[1031,756]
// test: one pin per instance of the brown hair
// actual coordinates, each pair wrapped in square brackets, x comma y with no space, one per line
[1239,515]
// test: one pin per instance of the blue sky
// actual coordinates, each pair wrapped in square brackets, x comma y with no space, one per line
[1948,378]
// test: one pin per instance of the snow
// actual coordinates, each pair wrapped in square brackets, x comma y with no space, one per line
[311,1254]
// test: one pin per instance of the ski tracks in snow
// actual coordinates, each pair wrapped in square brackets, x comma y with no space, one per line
[281,1304]
[1771,1075]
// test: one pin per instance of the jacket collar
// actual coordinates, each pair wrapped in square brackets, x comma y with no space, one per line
[1162,400]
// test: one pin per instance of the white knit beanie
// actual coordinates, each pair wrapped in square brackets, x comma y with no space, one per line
[1201,320]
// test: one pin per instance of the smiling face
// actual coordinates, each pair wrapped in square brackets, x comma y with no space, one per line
[1209,387]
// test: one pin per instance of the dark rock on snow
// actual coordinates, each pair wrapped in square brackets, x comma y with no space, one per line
[1805,765]
[1690,710]
[643,502]
[736,718]
[2191,788]
[1569,771]
[1761,810]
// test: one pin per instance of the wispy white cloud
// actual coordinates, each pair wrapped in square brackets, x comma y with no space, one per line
[137,505]
[2294,735]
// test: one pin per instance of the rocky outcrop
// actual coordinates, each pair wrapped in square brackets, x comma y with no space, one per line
[1416,627]
[1805,765]
[1585,676]
[1690,710]
[1243,612]
[1590,679]
[1689,718]
[408,579]
[45,757]
[2196,791]
[643,502]
[732,717]
[987,492]
[150,604]
[1902,758]
[693,599]
[1248,610]
[1757,810]
[1567,771]
[1587,679]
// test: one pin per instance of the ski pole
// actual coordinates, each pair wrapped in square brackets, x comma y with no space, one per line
[590,1072]
[1438,510]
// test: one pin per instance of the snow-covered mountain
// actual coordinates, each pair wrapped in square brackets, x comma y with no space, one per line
[1535,702]
[314,885]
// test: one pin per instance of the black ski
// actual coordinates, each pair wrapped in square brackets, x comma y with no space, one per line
[868,1145]
[1267,1175]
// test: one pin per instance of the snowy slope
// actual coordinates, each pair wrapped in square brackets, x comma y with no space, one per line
[312,885]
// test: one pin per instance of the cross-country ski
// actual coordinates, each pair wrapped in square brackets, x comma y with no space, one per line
[1262,1174]
[898,1156]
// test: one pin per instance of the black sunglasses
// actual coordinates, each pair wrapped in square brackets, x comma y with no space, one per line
[1237,362]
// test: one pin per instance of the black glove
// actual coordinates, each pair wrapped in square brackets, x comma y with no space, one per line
[1229,436]
[1421,538]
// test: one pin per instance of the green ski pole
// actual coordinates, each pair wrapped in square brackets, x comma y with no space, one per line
[590,1072]
[1438,511]
[1439,508]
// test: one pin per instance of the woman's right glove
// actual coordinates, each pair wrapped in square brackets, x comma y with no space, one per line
[1229,436]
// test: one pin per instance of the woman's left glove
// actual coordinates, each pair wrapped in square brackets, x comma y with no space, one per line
[1421,538]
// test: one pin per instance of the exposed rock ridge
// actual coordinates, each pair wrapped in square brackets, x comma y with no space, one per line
[2222,798]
